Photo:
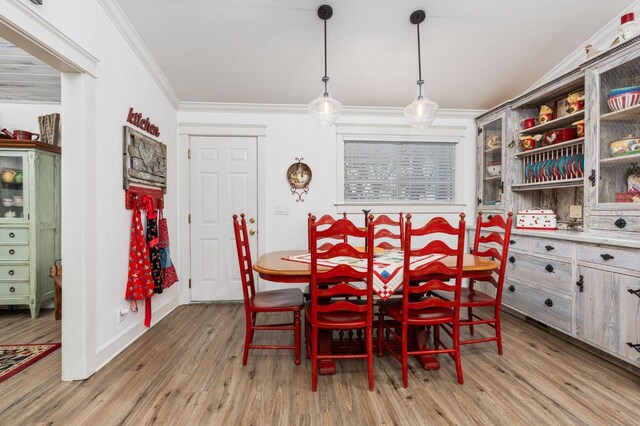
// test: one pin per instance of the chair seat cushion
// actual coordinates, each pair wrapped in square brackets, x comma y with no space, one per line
[469,298]
[285,298]
[337,319]
[434,314]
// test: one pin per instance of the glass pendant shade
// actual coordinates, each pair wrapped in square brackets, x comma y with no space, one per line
[421,112]
[325,110]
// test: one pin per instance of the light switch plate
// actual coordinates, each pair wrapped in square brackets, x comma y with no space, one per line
[575,212]
[282,210]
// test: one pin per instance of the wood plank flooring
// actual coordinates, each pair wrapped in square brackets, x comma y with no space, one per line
[188,370]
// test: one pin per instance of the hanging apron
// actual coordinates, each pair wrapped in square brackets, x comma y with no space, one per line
[140,282]
[153,245]
[169,274]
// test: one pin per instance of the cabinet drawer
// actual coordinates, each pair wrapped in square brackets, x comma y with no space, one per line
[519,242]
[14,235]
[14,252]
[604,255]
[14,289]
[549,273]
[615,223]
[14,272]
[546,306]
[554,248]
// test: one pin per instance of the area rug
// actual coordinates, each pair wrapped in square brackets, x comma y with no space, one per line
[15,358]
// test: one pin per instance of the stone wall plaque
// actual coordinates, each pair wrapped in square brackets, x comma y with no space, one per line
[144,160]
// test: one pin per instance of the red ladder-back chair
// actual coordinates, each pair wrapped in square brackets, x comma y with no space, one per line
[323,223]
[285,300]
[388,229]
[417,308]
[495,245]
[326,312]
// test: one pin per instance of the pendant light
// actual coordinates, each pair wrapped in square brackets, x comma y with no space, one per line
[421,112]
[325,110]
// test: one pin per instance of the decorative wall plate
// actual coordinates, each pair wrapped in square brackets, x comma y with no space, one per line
[299,176]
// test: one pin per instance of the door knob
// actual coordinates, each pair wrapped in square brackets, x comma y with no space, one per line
[252,232]
[252,220]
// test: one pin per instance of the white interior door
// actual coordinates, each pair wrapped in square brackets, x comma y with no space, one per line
[223,182]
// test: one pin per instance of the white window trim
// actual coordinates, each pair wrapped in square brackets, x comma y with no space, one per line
[398,133]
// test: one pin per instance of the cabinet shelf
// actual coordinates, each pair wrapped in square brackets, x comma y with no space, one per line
[492,149]
[572,142]
[631,158]
[627,114]
[564,183]
[553,124]
[493,178]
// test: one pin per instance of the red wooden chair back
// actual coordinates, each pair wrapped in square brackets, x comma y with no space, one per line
[389,229]
[324,222]
[494,235]
[244,259]
[328,282]
[414,286]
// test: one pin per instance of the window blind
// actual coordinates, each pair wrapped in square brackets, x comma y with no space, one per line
[399,171]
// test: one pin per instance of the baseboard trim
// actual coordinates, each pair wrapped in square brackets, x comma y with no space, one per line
[115,346]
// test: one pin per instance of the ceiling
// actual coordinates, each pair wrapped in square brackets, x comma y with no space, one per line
[475,54]
[24,78]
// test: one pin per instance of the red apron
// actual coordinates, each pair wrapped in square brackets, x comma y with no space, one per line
[140,282]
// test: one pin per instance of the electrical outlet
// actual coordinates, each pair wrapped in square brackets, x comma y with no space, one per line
[575,212]
[121,314]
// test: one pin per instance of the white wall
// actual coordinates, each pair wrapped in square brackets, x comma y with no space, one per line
[121,81]
[24,116]
[291,135]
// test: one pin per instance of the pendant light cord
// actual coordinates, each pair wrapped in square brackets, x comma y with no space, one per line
[325,48]
[419,58]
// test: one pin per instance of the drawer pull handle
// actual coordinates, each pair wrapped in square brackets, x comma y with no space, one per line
[12,251]
[512,288]
[11,272]
[620,223]
[580,283]
[636,292]
[548,302]
[549,269]
[549,248]
[636,346]
[512,242]
[606,256]
[512,259]
[490,217]
[12,289]
[11,235]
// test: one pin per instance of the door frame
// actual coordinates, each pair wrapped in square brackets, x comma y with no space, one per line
[25,28]
[185,132]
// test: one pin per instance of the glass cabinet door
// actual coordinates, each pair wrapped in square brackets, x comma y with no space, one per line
[13,197]
[490,167]
[618,177]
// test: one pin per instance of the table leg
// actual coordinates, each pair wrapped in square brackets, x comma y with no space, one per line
[421,341]
[325,366]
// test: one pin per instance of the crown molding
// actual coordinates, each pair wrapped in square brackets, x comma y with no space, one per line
[250,108]
[600,40]
[22,26]
[114,11]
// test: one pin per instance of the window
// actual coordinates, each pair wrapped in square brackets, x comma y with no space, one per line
[391,168]
[404,172]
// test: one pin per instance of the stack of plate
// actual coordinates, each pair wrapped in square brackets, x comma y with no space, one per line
[624,97]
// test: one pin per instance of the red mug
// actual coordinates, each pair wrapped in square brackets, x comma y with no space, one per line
[527,123]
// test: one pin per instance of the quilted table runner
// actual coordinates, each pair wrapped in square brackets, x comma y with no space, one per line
[387,268]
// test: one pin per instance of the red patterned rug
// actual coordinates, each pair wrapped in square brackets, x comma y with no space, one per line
[15,358]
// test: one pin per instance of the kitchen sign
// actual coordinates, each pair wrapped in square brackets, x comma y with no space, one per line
[135,118]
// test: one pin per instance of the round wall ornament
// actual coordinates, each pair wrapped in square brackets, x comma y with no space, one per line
[299,176]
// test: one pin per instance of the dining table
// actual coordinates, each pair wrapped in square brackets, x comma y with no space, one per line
[274,267]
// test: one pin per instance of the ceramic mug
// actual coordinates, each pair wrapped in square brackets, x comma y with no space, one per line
[545,117]
[528,123]
[7,202]
[18,177]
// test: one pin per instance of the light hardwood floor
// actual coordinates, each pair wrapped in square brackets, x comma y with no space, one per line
[187,370]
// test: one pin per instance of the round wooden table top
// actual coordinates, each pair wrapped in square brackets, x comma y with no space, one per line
[271,265]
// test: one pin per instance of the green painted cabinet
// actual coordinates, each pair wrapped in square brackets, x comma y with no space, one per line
[29,222]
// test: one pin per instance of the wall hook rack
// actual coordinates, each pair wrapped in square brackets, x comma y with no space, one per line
[134,195]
